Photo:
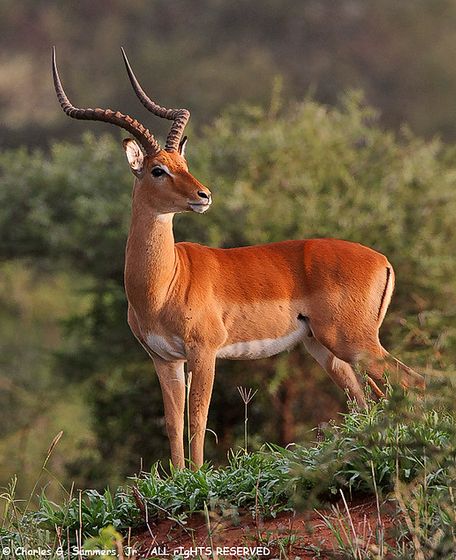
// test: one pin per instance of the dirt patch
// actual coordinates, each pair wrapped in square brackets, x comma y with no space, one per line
[290,535]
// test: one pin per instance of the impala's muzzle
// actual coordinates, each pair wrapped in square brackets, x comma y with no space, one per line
[202,203]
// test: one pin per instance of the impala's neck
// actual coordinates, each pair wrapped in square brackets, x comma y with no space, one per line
[150,259]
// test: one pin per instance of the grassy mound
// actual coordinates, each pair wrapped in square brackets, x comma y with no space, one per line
[404,447]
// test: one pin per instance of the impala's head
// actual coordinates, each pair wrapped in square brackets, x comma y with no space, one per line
[162,176]
[164,182]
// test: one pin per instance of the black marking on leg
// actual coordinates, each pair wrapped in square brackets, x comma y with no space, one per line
[304,318]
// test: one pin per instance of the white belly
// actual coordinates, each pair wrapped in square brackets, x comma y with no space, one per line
[255,349]
[168,348]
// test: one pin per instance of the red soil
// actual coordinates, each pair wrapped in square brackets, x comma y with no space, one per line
[290,535]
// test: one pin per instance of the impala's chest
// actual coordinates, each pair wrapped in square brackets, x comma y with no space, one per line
[161,336]
[168,347]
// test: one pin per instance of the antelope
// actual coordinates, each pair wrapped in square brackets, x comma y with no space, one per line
[191,304]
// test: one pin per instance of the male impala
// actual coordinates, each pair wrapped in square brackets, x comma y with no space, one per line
[194,304]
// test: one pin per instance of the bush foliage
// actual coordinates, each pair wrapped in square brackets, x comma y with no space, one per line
[284,171]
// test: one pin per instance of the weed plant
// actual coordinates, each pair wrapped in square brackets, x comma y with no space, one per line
[403,448]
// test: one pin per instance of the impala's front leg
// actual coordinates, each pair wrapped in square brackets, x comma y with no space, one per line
[202,366]
[172,381]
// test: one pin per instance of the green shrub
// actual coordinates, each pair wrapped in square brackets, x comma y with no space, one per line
[301,170]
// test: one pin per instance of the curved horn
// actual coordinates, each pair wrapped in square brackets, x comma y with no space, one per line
[142,134]
[179,116]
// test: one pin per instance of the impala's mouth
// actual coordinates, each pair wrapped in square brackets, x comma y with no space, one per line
[199,207]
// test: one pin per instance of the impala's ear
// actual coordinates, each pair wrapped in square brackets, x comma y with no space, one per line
[134,155]
[182,145]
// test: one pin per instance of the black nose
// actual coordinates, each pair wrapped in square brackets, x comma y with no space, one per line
[204,195]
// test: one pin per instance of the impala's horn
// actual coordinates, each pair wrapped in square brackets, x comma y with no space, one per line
[179,116]
[142,134]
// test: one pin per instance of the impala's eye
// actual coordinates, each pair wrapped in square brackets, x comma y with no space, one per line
[158,172]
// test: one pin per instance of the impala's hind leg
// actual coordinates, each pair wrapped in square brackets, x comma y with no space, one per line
[379,363]
[340,372]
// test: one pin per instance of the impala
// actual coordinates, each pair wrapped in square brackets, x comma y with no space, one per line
[192,304]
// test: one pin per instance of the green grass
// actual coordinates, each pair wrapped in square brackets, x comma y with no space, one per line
[403,447]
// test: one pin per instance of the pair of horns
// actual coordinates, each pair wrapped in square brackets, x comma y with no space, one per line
[142,134]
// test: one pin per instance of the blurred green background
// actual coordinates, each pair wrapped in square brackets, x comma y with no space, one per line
[284,133]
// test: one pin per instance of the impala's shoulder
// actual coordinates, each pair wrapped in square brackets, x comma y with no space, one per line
[194,254]
[193,248]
